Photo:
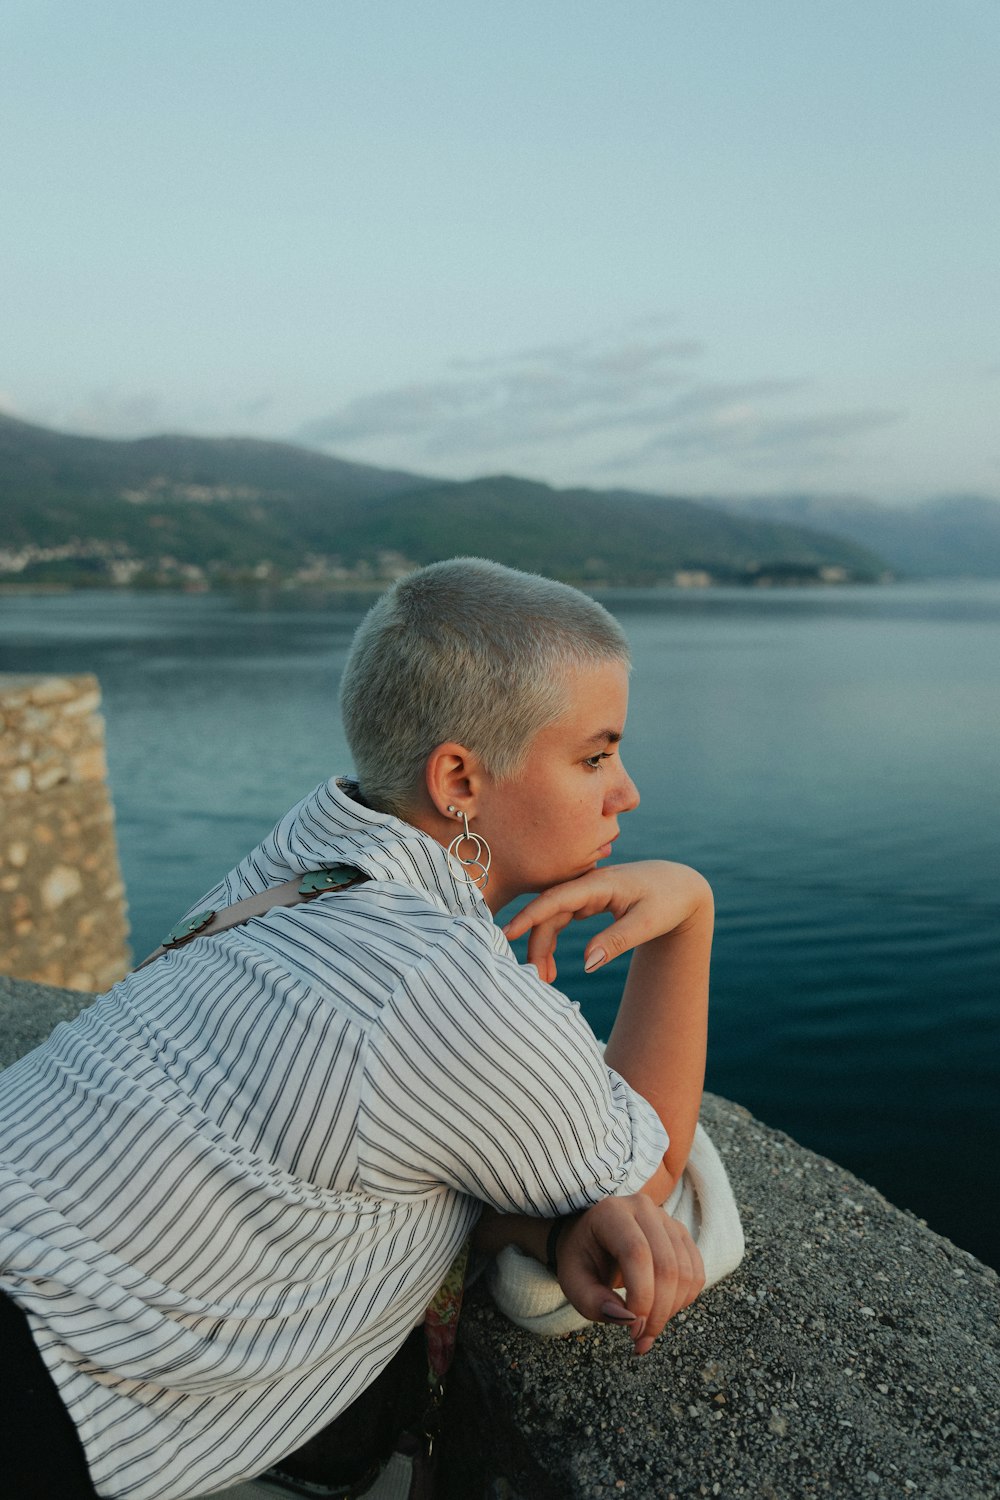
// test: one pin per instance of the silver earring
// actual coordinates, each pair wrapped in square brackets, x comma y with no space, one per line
[480,860]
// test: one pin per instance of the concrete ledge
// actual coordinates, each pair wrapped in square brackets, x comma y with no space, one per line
[855,1353]
[28,1012]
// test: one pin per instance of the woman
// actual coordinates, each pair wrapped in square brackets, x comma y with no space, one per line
[232,1186]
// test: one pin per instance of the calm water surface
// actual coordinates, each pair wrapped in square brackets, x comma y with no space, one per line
[827,758]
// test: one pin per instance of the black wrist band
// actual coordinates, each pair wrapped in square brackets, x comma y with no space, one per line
[552,1241]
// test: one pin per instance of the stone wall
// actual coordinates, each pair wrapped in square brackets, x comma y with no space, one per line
[62,902]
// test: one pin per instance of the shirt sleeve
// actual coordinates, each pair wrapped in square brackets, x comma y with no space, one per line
[482,1078]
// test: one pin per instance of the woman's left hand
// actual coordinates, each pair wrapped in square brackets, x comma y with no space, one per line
[647,900]
[629,1242]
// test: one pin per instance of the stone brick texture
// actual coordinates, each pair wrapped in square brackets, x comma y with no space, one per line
[62,901]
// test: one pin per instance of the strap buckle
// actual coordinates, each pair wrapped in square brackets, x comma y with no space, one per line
[184,931]
[332,878]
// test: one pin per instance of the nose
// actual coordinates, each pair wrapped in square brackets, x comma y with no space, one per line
[625,795]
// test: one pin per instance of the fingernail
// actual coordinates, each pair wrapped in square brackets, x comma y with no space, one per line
[595,960]
[636,1328]
[617,1311]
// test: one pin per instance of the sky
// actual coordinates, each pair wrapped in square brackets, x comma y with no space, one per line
[688,246]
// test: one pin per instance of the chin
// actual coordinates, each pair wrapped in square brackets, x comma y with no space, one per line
[550,878]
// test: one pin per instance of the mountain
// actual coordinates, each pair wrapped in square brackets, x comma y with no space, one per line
[193,510]
[600,536]
[952,536]
[196,499]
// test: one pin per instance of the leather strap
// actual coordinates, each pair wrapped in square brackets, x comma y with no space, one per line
[292,893]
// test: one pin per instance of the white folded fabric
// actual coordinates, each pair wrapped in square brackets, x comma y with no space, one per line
[702,1201]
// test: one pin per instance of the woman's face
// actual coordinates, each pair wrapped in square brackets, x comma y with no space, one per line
[560,815]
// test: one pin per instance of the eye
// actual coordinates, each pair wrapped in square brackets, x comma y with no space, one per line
[594,761]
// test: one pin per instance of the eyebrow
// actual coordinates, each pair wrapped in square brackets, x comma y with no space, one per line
[604,737]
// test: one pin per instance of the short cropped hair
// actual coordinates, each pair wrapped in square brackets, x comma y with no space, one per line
[464,650]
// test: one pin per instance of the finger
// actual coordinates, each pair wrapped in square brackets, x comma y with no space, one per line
[696,1275]
[589,1287]
[542,942]
[590,1291]
[628,932]
[629,1246]
[679,1272]
[590,1255]
[669,1275]
[680,1276]
[546,965]
[574,898]
[541,948]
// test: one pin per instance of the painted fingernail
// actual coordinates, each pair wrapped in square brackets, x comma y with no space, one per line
[595,960]
[617,1312]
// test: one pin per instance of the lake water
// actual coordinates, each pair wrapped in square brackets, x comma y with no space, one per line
[827,758]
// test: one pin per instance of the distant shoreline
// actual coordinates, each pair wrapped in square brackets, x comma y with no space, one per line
[778,578]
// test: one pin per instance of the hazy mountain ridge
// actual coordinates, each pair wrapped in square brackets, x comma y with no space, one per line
[595,535]
[177,495]
[38,463]
[178,508]
[947,536]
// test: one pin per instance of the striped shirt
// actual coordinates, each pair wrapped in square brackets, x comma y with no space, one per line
[229,1189]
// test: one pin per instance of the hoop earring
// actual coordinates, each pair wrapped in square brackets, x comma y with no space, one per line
[480,860]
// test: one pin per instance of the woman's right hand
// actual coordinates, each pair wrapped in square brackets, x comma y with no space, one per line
[649,899]
[629,1242]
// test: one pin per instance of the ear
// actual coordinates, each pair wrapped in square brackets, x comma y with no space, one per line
[453,776]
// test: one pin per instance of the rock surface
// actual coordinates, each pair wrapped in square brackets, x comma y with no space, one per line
[29,1011]
[854,1353]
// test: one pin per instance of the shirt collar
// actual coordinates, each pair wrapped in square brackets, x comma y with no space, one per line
[330,826]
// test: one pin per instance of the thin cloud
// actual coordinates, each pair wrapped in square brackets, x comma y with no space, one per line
[545,353]
[738,427]
[730,420]
[540,395]
[601,405]
[828,429]
[255,407]
[112,413]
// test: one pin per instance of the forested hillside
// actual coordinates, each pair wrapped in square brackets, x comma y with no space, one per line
[193,511]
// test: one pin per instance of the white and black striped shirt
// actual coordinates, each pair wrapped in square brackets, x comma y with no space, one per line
[229,1188]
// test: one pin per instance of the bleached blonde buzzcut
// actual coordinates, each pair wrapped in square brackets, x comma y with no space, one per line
[464,650]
